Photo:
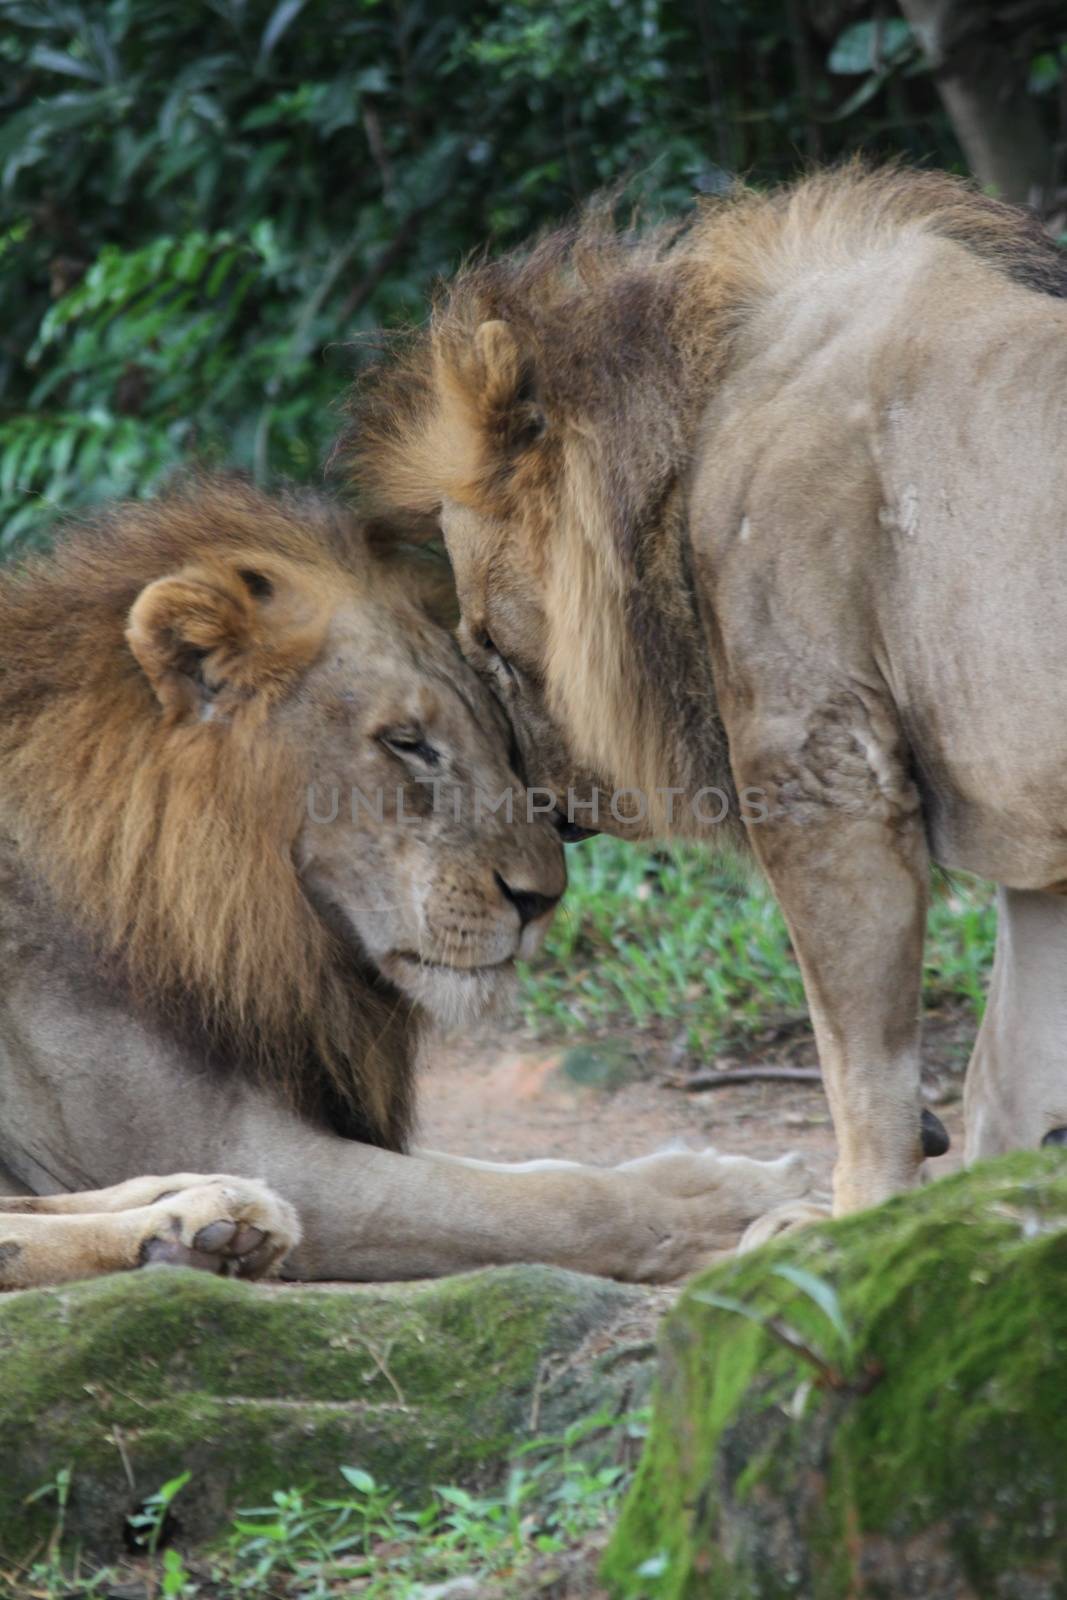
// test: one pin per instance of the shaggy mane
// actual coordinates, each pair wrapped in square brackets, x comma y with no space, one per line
[602,313]
[560,389]
[169,846]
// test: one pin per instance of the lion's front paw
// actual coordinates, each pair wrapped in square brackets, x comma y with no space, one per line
[233,1226]
[693,1206]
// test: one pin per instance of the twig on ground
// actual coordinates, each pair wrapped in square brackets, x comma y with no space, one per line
[697,1081]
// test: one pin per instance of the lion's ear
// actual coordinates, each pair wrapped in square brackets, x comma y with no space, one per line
[505,381]
[198,632]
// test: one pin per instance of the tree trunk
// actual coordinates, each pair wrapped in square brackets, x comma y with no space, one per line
[984,93]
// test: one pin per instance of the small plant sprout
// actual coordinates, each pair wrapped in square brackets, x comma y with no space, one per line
[149,1523]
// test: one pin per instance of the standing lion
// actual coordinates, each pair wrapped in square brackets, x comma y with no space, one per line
[242,862]
[772,506]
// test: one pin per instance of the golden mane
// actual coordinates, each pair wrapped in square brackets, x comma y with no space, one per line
[169,847]
[560,387]
[601,314]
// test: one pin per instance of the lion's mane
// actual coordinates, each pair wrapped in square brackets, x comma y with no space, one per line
[615,325]
[167,848]
[561,386]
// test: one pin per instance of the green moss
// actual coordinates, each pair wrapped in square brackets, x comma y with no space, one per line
[946,1475]
[256,1388]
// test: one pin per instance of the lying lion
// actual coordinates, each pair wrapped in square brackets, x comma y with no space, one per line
[759,526]
[234,884]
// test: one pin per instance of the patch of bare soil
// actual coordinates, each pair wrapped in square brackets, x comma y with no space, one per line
[505,1097]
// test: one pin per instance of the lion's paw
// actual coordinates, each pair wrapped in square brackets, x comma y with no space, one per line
[694,1206]
[232,1226]
[782,1219]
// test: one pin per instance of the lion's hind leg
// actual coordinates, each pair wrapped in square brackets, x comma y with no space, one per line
[232,1226]
[1015,1094]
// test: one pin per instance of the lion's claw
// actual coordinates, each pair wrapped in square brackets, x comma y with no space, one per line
[231,1226]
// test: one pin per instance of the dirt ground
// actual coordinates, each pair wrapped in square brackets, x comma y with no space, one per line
[505,1097]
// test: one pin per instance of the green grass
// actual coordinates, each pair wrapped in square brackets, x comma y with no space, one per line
[672,939]
[559,1494]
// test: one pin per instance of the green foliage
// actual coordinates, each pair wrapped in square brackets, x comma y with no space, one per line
[366,1539]
[148,1525]
[201,207]
[677,938]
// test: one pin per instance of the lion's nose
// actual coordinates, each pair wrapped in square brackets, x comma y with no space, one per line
[527,902]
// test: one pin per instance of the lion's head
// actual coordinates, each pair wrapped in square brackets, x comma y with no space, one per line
[549,417]
[239,754]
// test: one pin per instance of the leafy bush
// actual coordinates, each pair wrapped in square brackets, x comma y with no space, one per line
[202,205]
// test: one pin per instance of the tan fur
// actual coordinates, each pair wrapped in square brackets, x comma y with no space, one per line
[200,967]
[170,844]
[744,525]
[224,1225]
[619,338]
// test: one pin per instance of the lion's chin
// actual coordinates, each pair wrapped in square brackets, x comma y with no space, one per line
[454,997]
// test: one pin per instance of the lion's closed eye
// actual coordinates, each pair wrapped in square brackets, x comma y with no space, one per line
[410,744]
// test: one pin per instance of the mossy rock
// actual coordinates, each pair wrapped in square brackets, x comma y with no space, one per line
[130,1380]
[925,1453]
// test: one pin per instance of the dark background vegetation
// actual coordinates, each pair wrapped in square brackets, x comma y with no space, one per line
[202,204]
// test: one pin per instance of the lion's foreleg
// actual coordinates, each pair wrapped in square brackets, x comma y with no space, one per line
[540,1164]
[39,1249]
[369,1214]
[144,1190]
[844,849]
[373,1215]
